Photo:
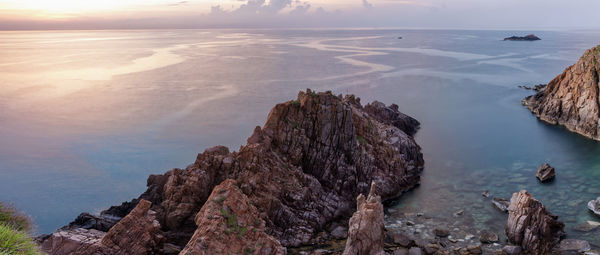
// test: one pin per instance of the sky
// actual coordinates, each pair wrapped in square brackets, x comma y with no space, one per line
[433,14]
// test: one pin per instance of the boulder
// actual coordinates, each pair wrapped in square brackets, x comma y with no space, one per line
[488,237]
[66,242]
[545,173]
[366,231]
[229,224]
[531,226]
[594,206]
[501,204]
[512,250]
[441,232]
[572,99]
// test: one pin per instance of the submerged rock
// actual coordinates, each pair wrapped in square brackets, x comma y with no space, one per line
[531,226]
[530,37]
[366,228]
[579,246]
[441,232]
[545,173]
[488,237]
[301,171]
[572,98]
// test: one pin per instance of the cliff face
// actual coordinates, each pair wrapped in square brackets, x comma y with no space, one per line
[301,171]
[572,99]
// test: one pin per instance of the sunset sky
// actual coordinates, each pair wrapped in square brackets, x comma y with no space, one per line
[469,14]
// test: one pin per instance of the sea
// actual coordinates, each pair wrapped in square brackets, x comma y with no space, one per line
[86,116]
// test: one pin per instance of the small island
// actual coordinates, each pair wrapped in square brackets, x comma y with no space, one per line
[530,37]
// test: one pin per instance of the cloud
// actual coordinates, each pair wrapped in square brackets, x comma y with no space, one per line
[366,4]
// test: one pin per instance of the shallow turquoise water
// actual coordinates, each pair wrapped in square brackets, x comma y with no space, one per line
[87,115]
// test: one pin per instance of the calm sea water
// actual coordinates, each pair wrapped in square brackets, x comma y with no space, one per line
[85,116]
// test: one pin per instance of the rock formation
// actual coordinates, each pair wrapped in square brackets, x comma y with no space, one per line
[530,37]
[572,98]
[367,228]
[229,224]
[301,171]
[530,226]
[545,173]
[594,206]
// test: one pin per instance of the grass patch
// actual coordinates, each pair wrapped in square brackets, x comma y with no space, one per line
[14,237]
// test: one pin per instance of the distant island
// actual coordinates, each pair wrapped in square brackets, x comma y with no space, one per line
[530,37]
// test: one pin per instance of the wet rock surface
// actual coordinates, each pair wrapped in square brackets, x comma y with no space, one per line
[302,170]
[545,173]
[571,99]
[501,204]
[531,226]
[594,206]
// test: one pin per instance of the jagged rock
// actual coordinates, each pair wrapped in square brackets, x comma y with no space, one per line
[571,99]
[87,221]
[302,170]
[545,173]
[137,233]
[531,226]
[594,206]
[229,224]
[501,203]
[579,246]
[530,37]
[366,228]
[488,237]
[512,250]
[64,242]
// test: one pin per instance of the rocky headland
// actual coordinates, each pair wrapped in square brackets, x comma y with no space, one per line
[572,98]
[294,183]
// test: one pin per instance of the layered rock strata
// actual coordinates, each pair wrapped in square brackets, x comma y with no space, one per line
[572,98]
[366,232]
[301,171]
[531,226]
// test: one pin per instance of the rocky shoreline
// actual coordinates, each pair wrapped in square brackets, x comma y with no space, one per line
[572,99]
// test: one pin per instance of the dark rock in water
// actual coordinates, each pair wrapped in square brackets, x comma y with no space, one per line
[545,173]
[572,98]
[594,206]
[488,237]
[441,232]
[501,204]
[302,170]
[512,250]
[366,228]
[486,193]
[88,221]
[530,37]
[399,37]
[531,226]
[538,87]
[579,246]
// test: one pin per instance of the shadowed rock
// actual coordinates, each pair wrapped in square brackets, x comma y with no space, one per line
[531,226]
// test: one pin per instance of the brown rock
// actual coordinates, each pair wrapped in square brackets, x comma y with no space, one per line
[302,170]
[65,242]
[545,173]
[441,232]
[531,226]
[571,99]
[229,224]
[366,230]
[488,237]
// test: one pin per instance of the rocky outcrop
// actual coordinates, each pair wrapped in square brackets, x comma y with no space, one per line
[137,233]
[229,224]
[366,230]
[501,204]
[531,226]
[545,173]
[530,37]
[572,98]
[301,171]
